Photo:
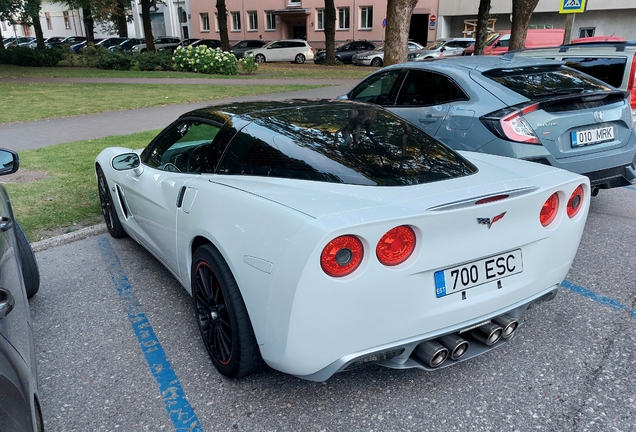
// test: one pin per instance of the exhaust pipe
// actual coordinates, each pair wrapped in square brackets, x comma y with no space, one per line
[488,334]
[508,324]
[456,346]
[594,191]
[432,353]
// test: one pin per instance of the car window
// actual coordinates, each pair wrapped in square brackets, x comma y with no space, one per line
[186,147]
[243,44]
[609,70]
[367,46]
[377,88]
[361,145]
[275,45]
[504,41]
[535,82]
[422,88]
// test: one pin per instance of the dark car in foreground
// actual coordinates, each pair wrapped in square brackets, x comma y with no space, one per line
[345,52]
[241,47]
[534,109]
[19,396]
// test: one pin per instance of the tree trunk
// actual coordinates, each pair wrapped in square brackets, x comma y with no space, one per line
[330,33]
[145,16]
[39,34]
[521,13]
[1,40]
[122,25]
[482,26]
[222,17]
[398,24]
[89,24]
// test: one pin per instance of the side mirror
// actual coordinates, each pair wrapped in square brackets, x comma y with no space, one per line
[9,161]
[343,97]
[127,161]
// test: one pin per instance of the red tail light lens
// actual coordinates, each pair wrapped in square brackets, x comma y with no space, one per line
[631,84]
[342,256]
[396,246]
[516,128]
[549,210]
[575,202]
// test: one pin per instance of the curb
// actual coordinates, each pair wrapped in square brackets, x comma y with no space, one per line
[69,237]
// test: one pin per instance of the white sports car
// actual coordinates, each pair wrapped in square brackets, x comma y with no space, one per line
[319,236]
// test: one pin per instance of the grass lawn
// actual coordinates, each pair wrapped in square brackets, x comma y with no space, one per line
[266,70]
[65,198]
[38,101]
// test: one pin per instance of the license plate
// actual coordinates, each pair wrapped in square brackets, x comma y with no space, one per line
[592,136]
[469,275]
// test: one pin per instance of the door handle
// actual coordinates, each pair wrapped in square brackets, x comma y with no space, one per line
[6,302]
[5,224]
[427,119]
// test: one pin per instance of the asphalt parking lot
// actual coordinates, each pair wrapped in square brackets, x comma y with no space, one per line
[119,351]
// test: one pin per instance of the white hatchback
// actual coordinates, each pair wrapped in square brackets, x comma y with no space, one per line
[291,50]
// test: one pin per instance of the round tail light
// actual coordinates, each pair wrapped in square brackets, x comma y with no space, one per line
[342,256]
[549,210]
[396,246]
[575,202]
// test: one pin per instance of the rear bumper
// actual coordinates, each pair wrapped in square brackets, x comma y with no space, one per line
[401,354]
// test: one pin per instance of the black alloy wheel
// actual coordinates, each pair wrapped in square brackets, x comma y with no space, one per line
[222,317]
[111,218]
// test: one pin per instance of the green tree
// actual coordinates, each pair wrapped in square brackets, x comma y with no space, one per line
[481,34]
[521,13]
[9,9]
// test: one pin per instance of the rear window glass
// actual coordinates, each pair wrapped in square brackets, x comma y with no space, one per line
[361,145]
[608,70]
[543,81]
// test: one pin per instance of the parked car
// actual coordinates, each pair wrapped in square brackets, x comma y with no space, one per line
[76,48]
[241,47]
[34,43]
[210,43]
[291,50]
[128,44]
[448,47]
[533,109]
[71,40]
[19,41]
[160,42]
[611,62]
[329,209]
[376,57]
[19,395]
[498,42]
[345,52]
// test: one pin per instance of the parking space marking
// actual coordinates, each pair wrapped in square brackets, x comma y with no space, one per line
[181,413]
[606,301]
[630,187]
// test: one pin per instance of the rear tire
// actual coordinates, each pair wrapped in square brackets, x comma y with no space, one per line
[222,317]
[30,269]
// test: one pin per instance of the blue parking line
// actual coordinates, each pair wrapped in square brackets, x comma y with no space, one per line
[606,301]
[630,187]
[181,413]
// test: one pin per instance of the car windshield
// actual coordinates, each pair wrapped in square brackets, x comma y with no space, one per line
[341,143]
[491,38]
[435,45]
[545,81]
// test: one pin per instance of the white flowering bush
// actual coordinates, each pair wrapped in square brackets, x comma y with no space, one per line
[248,65]
[205,60]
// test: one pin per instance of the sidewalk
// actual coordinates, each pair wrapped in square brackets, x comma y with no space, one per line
[42,133]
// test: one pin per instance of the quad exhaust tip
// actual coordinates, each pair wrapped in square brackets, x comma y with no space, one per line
[456,345]
[508,324]
[488,334]
[432,353]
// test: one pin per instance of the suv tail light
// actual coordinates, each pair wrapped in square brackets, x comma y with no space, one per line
[631,83]
[342,256]
[511,125]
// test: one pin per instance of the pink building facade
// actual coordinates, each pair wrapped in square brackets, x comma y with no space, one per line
[304,19]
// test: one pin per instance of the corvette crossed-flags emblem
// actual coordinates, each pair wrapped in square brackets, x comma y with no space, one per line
[490,221]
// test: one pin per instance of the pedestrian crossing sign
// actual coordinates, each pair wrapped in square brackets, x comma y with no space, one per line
[572,6]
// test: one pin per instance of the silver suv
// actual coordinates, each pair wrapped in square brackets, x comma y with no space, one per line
[448,47]
[611,62]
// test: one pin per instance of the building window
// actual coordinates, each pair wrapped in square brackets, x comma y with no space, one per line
[271,20]
[343,18]
[216,22]
[253,20]
[67,20]
[320,19]
[586,31]
[183,16]
[205,22]
[49,24]
[366,17]
[236,21]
